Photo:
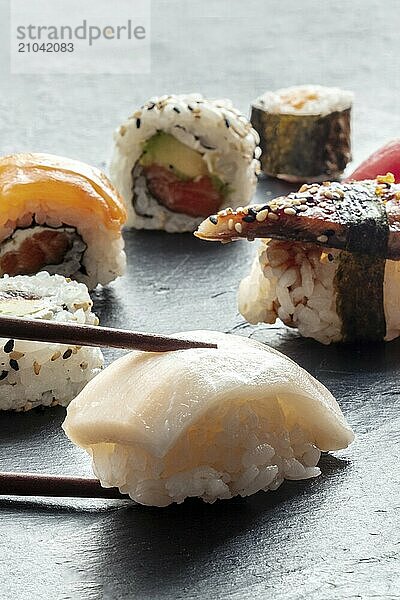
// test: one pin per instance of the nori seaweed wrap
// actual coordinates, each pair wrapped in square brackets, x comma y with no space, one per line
[304,132]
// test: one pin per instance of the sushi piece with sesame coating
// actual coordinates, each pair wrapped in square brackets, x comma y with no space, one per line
[44,374]
[328,262]
[180,157]
[359,216]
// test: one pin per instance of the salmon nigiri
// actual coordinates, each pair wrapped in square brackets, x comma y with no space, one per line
[61,216]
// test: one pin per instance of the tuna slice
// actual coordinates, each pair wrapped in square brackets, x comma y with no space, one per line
[385,159]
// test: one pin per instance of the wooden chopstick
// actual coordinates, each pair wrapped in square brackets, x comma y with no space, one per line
[54,486]
[90,335]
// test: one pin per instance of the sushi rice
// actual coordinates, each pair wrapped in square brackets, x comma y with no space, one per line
[306,100]
[235,450]
[213,424]
[294,282]
[38,373]
[219,132]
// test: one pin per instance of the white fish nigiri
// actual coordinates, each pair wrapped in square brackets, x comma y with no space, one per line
[210,423]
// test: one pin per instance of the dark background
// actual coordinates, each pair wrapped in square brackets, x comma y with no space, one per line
[333,537]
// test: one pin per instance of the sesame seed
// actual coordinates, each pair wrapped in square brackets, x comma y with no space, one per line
[230,224]
[227,123]
[36,368]
[328,194]
[16,355]
[289,211]
[303,188]
[3,375]
[262,215]
[213,219]
[322,239]
[138,121]
[249,218]
[238,227]
[302,208]
[273,217]
[388,178]
[176,109]
[9,346]
[56,355]
[67,354]
[14,365]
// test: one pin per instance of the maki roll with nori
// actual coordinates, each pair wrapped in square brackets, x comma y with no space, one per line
[179,158]
[37,373]
[61,216]
[304,132]
[329,260]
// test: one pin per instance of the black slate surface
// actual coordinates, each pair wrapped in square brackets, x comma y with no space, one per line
[332,537]
[337,536]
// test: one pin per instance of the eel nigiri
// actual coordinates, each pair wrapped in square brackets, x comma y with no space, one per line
[213,423]
[329,262]
[59,215]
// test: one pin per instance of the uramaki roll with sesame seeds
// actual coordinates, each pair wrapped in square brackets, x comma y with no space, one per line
[329,263]
[304,132]
[179,158]
[38,373]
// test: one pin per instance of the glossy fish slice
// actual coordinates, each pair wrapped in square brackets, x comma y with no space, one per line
[386,158]
[67,182]
[362,216]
